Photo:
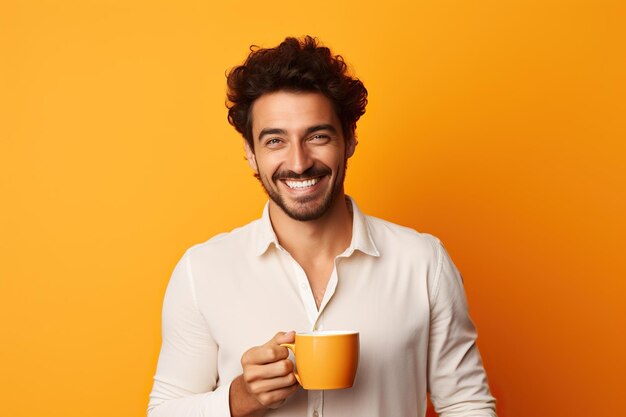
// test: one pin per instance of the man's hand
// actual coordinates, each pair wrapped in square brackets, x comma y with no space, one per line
[267,378]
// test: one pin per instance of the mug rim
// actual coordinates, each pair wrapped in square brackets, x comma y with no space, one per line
[318,333]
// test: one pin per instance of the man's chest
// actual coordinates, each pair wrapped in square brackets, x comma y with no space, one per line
[388,306]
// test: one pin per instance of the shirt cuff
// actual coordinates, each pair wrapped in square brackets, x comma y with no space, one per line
[219,406]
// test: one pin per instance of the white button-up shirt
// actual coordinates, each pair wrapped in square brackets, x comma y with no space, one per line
[397,287]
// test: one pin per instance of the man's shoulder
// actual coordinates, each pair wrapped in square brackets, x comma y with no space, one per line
[237,240]
[387,233]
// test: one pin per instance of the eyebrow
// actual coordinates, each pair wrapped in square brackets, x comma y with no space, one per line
[271,131]
[309,130]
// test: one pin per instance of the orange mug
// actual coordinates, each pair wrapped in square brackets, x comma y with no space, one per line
[326,359]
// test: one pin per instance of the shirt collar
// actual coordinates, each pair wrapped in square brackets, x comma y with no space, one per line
[265,232]
[361,236]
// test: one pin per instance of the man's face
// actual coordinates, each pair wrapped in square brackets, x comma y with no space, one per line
[299,152]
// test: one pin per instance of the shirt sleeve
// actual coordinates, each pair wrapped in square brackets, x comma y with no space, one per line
[186,379]
[456,378]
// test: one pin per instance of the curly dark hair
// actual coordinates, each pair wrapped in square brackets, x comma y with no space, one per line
[299,65]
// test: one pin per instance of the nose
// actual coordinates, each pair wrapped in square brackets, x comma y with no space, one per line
[299,159]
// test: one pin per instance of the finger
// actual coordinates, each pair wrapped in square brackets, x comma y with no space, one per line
[282,337]
[281,368]
[276,398]
[267,385]
[266,354]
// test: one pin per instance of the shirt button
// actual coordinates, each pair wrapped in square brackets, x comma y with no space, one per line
[315,413]
[303,286]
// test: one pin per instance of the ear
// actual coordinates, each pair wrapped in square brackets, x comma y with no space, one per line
[250,157]
[351,146]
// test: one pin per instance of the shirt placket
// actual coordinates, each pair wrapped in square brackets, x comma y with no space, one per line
[315,405]
[315,398]
[306,295]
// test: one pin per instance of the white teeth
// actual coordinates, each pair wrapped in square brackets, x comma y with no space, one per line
[302,184]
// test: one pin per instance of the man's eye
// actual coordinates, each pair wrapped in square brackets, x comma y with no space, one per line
[273,141]
[319,137]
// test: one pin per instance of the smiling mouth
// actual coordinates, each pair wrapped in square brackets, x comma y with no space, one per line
[301,184]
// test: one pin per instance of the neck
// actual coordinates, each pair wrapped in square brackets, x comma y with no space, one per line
[327,236]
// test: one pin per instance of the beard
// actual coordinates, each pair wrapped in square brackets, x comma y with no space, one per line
[305,208]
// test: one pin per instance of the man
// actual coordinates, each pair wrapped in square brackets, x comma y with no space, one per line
[312,262]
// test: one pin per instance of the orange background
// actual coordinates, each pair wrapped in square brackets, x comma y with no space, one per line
[498,126]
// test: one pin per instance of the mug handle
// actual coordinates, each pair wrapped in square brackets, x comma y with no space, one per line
[292,348]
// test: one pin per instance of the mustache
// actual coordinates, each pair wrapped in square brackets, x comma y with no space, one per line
[312,172]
